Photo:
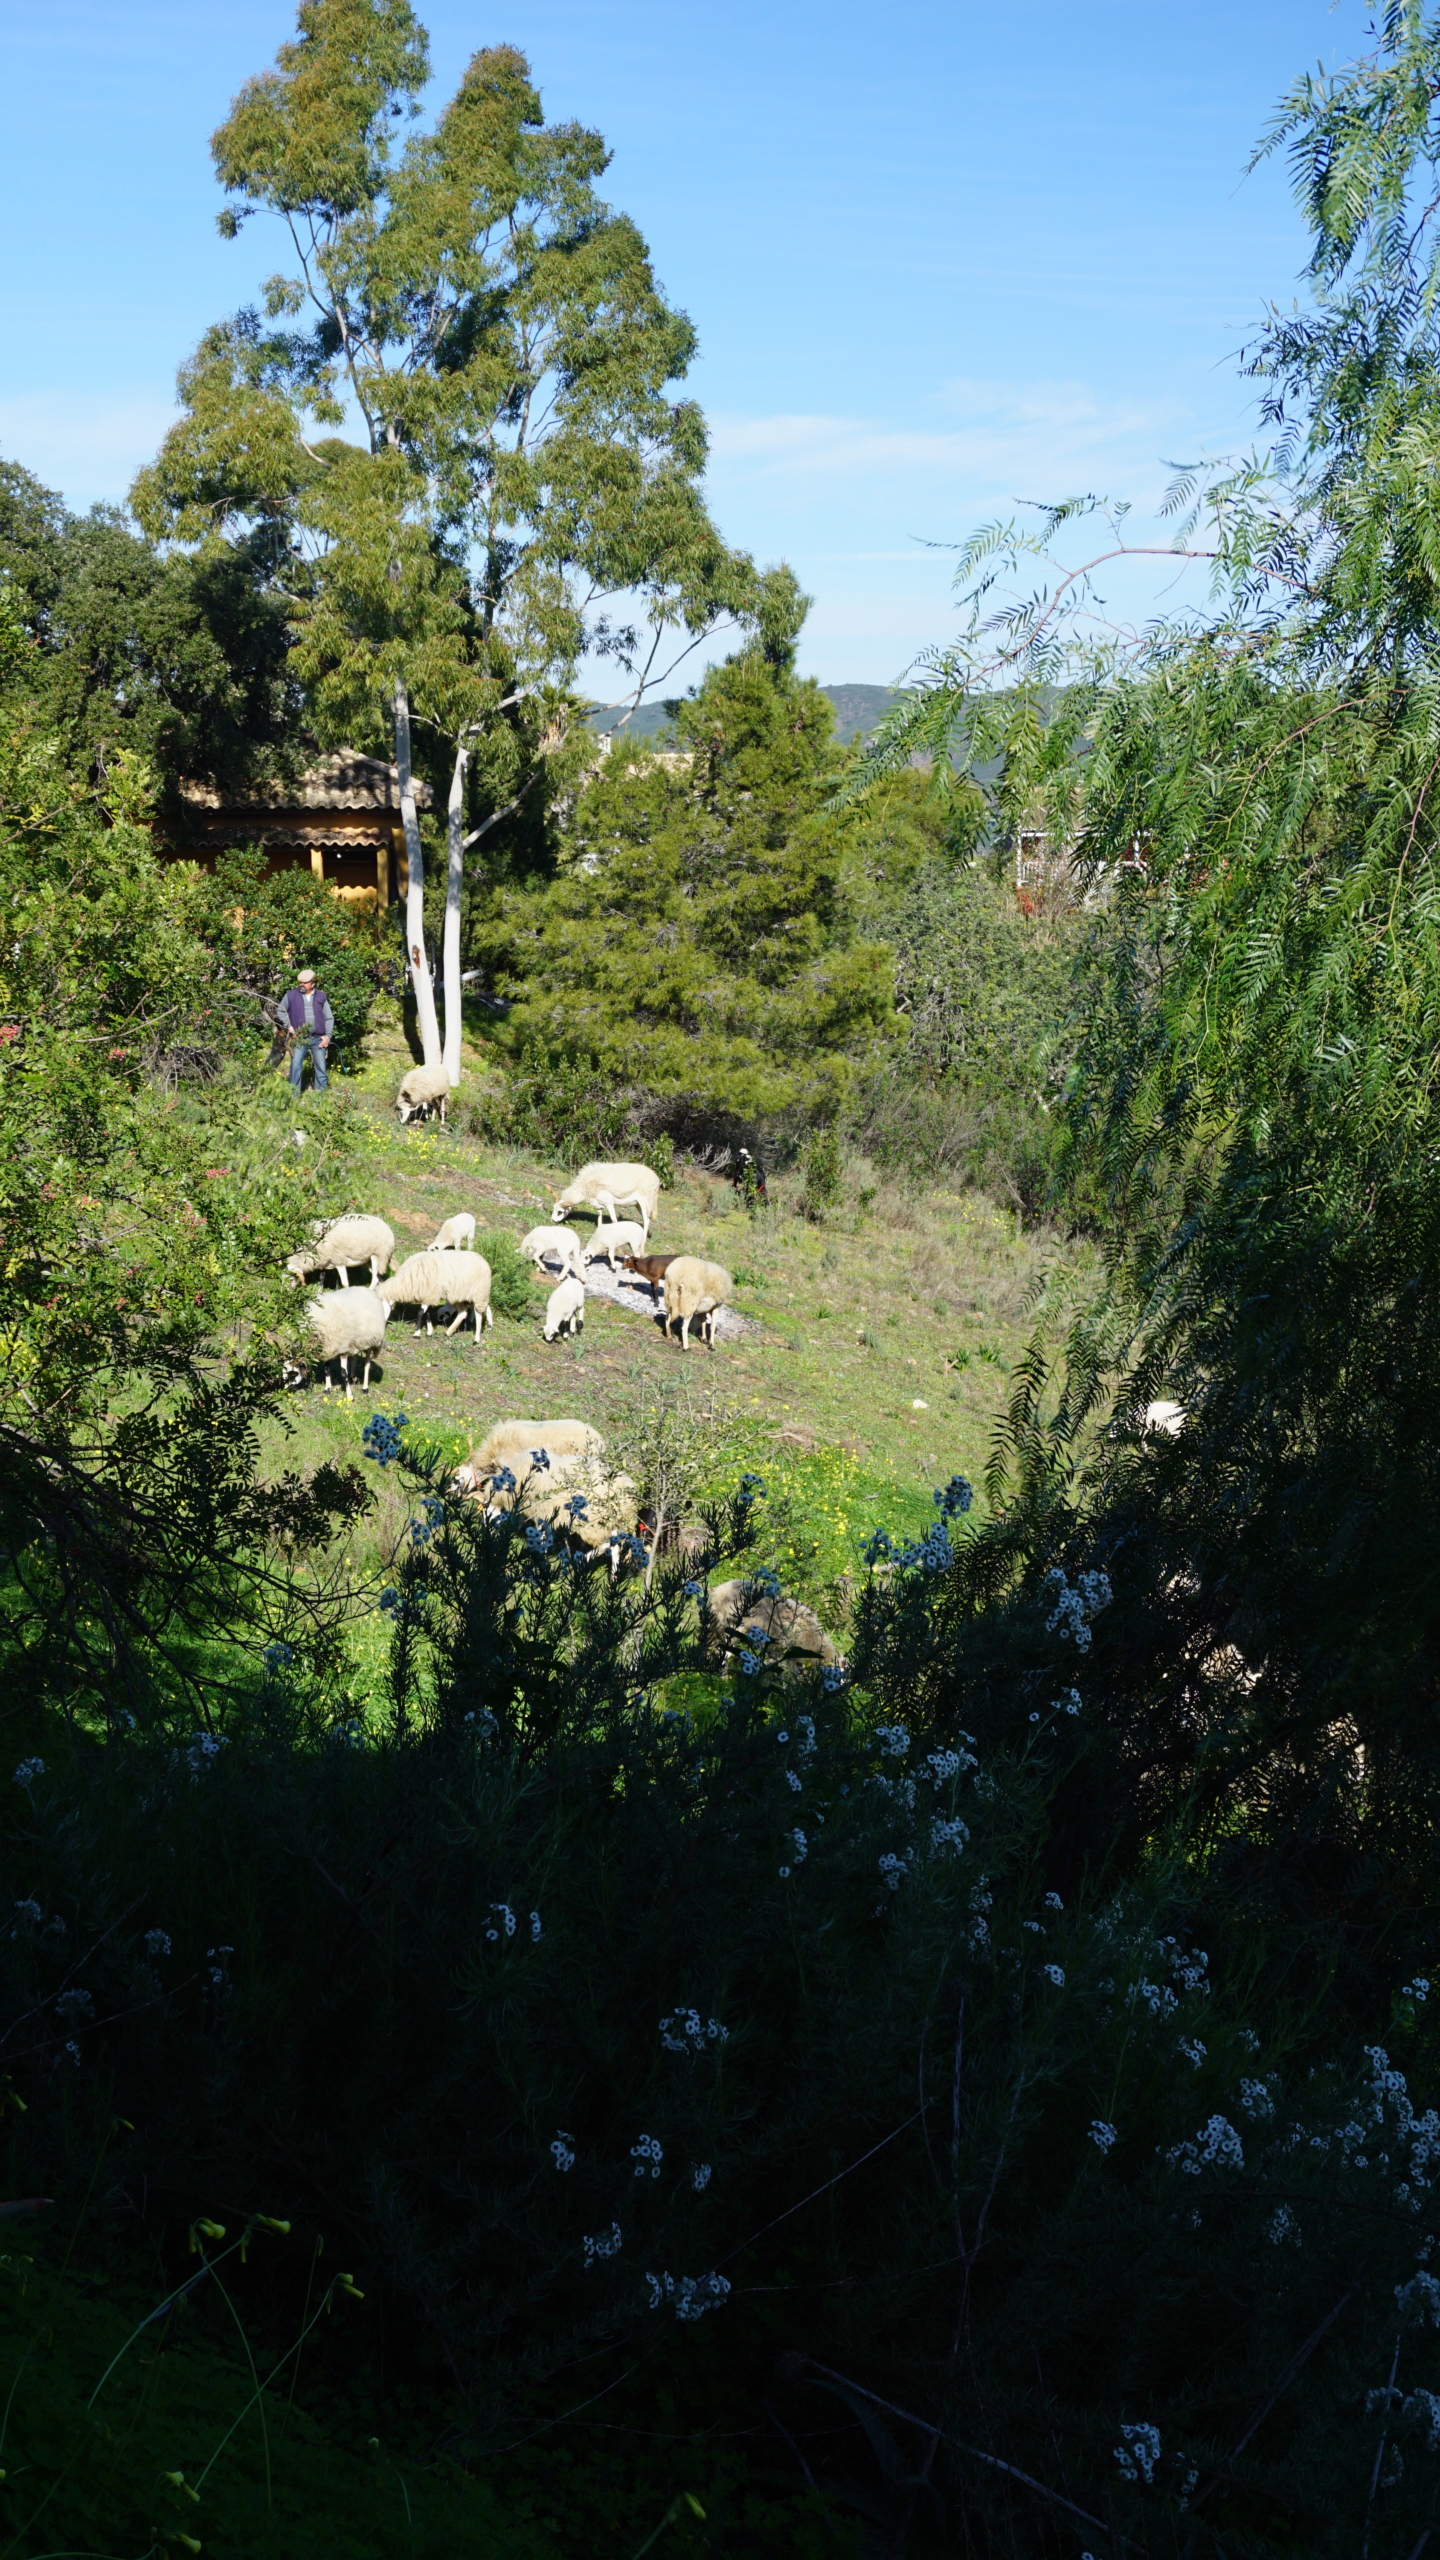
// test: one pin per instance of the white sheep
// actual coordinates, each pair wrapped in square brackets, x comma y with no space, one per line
[521,1446]
[565,1309]
[695,1288]
[347,1327]
[595,1510]
[571,1491]
[426,1280]
[348,1240]
[792,1639]
[1168,1419]
[455,1233]
[613,1236]
[606,1187]
[553,1244]
[421,1090]
[516,1444]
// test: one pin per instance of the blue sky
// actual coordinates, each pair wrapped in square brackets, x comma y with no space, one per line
[941,257]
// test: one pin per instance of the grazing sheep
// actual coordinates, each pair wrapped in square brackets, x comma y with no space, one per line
[426,1280]
[521,1445]
[611,1237]
[558,1244]
[421,1090]
[1168,1419]
[348,1240]
[348,1327]
[565,1309]
[455,1233]
[792,1638]
[694,1288]
[605,1187]
[572,1494]
[650,1267]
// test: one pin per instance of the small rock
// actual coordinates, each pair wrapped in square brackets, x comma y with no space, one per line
[918,1405]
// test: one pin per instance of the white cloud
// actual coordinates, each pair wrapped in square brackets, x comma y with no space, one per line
[87,447]
[986,438]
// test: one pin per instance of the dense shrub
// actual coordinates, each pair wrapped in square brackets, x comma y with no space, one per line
[785,2025]
[701,939]
[988,1003]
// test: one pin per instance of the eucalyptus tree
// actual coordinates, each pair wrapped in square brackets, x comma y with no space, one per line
[525,490]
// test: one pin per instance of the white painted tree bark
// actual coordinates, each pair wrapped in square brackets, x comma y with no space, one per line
[454,882]
[420,977]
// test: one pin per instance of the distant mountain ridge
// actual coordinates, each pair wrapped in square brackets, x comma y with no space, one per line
[859,708]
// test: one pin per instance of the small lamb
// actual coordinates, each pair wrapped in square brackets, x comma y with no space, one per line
[455,1232]
[695,1289]
[553,1244]
[427,1280]
[347,1327]
[421,1090]
[612,1236]
[565,1309]
[348,1240]
[606,1187]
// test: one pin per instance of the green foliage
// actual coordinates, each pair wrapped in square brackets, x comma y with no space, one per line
[144,1242]
[987,997]
[128,2436]
[558,1105]
[821,1166]
[970,2083]
[183,662]
[481,538]
[261,927]
[700,941]
[511,1277]
[1252,1094]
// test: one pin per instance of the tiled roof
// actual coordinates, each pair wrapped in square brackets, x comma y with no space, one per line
[342,781]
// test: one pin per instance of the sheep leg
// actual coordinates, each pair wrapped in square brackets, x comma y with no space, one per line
[345,1373]
[489,1315]
[344,1275]
[685,1333]
[365,1381]
[455,1327]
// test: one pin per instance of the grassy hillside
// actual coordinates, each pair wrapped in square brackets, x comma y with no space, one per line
[873,1365]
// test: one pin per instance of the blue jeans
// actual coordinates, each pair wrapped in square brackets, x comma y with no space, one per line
[308,1040]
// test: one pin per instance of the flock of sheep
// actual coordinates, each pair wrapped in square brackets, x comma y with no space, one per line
[554,1471]
[349,1324]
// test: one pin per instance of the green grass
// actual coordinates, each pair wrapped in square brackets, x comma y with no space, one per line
[877,1368]
[153,2459]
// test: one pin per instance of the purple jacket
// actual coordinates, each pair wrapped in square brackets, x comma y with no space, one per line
[294,1008]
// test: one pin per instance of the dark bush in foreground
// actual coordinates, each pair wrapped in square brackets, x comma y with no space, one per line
[776,2049]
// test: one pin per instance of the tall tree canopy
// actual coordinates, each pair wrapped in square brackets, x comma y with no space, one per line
[703,936]
[526,491]
[185,661]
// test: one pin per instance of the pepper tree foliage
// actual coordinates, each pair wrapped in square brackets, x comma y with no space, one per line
[1255,1091]
[527,489]
[142,1235]
[704,935]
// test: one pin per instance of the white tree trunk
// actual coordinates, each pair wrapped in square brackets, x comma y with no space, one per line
[453,883]
[415,895]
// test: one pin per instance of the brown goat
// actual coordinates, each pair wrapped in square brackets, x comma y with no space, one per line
[648,1266]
